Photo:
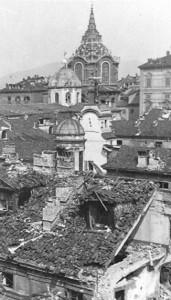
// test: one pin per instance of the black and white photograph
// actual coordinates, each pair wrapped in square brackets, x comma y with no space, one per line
[85,150]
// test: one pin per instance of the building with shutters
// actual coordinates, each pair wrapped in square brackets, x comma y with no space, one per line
[155,83]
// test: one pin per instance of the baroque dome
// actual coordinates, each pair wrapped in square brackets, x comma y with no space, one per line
[65,77]
[69,127]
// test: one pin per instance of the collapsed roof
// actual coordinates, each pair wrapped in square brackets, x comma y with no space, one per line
[71,248]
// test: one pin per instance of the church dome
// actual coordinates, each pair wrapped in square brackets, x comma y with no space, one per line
[69,127]
[63,78]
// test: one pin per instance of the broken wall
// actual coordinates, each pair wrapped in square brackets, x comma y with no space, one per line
[155,227]
[45,162]
[136,279]
[50,213]
[28,282]
[145,284]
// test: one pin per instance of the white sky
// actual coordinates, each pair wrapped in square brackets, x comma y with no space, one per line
[36,32]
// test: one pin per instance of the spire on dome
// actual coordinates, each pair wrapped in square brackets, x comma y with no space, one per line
[92,24]
[91,30]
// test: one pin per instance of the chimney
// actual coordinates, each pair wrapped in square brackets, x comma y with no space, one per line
[51,213]
[167,53]
[143,158]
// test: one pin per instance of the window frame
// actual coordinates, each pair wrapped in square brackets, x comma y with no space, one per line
[9,282]
[158,144]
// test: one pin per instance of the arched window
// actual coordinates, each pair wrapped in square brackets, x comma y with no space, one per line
[17,99]
[105,72]
[56,98]
[68,98]
[50,130]
[79,71]
[4,134]
[26,99]
[78,96]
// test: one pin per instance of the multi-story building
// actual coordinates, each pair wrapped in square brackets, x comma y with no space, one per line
[32,89]
[152,130]
[155,83]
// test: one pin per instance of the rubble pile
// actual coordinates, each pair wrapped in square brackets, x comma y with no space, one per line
[26,223]
[29,179]
[71,248]
[165,293]
[137,251]
[114,191]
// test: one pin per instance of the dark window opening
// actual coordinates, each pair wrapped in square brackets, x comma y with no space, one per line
[132,110]
[9,100]
[73,295]
[81,161]
[119,142]
[50,130]
[17,99]
[41,121]
[78,96]
[120,295]
[163,185]
[56,98]
[68,97]
[101,215]
[165,275]
[4,134]
[102,101]
[90,166]
[26,99]
[143,153]
[64,153]
[7,279]
[119,258]
[24,196]
[113,100]
[158,144]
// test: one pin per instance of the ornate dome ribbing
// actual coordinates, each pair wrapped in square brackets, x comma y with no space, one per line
[64,78]
[69,127]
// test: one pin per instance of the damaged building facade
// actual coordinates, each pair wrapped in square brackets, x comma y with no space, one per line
[97,247]
[70,145]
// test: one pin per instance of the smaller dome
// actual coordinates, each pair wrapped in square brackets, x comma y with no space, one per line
[63,78]
[69,127]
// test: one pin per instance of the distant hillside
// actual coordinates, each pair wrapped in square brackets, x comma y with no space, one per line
[45,70]
[125,68]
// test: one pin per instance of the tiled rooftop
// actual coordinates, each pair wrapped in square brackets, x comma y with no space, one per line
[29,109]
[154,124]
[27,85]
[127,159]
[162,62]
[27,138]
[70,246]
